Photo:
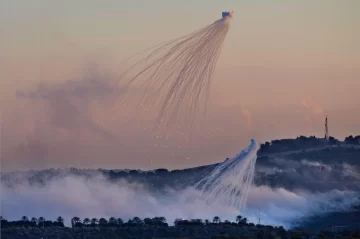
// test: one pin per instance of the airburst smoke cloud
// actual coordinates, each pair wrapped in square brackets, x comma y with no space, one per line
[177,74]
[230,181]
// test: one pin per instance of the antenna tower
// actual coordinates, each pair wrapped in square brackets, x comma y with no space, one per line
[326,129]
[1,140]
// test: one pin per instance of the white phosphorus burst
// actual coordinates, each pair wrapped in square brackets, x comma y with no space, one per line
[176,75]
[230,181]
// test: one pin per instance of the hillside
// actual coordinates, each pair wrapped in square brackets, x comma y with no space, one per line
[296,165]
[307,163]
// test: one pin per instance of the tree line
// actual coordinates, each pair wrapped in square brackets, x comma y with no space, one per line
[115,222]
[352,140]
[303,142]
[118,222]
[33,222]
[216,220]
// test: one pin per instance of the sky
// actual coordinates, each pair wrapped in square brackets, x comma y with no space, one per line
[283,67]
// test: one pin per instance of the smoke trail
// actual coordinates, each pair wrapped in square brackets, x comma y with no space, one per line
[230,182]
[177,74]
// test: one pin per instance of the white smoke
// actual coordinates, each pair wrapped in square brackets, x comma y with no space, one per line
[176,75]
[230,181]
[282,207]
[351,171]
[316,164]
[96,197]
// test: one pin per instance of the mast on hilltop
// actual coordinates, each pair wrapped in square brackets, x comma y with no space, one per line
[326,129]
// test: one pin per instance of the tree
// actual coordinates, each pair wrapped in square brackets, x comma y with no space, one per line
[134,173]
[137,220]
[282,232]
[162,219]
[25,219]
[34,221]
[332,140]
[199,221]
[161,171]
[243,221]
[352,140]
[238,218]
[207,221]
[112,221]
[120,221]
[60,220]
[41,221]
[264,147]
[155,220]
[3,222]
[196,222]
[86,221]
[94,221]
[102,221]
[159,220]
[216,219]
[349,139]
[148,221]
[74,221]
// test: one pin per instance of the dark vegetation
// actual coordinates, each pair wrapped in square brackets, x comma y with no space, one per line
[303,143]
[349,220]
[116,228]
[353,140]
[136,228]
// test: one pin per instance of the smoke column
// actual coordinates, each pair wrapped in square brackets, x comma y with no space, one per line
[177,74]
[230,181]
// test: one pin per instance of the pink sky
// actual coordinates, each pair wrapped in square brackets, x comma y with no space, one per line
[284,66]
